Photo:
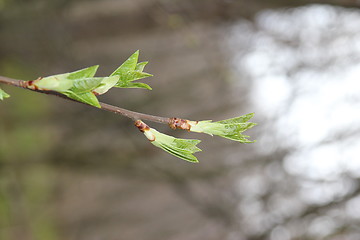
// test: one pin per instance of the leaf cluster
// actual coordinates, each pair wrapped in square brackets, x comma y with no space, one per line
[83,86]
[181,148]
[184,148]
[230,128]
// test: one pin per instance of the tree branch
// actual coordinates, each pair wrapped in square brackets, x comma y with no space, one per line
[104,106]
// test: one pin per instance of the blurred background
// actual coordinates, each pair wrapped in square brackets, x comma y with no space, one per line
[68,171]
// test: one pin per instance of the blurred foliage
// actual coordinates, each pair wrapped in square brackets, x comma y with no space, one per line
[25,180]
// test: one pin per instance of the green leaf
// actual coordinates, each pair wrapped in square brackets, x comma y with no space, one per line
[140,66]
[239,138]
[241,119]
[134,85]
[125,80]
[130,71]
[65,81]
[106,84]
[59,83]
[83,73]
[83,85]
[88,98]
[135,75]
[230,128]
[128,65]
[3,94]
[181,148]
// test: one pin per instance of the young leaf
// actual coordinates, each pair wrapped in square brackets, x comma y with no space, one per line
[140,66]
[231,128]
[88,98]
[83,73]
[181,148]
[3,94]
[130,71]
[83,85]
[58,83]
[241,119]
[125,80]
[106,84]
[65,81]
[134,85]
[128,65]
[132,76]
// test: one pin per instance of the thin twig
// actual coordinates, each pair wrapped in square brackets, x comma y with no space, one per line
[104,106]
[11,81]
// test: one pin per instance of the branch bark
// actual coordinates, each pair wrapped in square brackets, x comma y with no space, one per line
[104,106]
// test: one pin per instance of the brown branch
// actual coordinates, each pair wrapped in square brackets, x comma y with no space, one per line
[12,82]
[104,106]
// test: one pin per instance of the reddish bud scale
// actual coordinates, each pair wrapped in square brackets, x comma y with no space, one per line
[95,93]
[178,123]
[141,126]
[31,85]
